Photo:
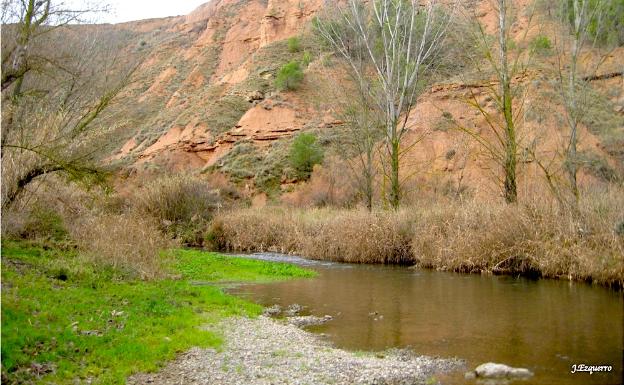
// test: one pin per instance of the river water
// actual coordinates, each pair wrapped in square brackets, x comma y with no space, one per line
[544,325]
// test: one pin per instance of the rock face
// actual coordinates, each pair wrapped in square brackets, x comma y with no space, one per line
[493,370]
[207,85]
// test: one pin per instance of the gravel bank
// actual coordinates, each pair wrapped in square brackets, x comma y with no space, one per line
[265,351]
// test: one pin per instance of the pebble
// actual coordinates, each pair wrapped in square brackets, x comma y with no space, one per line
[264,351]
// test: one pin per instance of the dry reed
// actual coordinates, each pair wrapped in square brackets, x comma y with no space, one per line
[535,238]
[123,241]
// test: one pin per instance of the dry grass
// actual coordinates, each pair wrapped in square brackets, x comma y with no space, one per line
[123,241]
[100,226]
[354,236]
[255,230]
[535,239]
[181,205]
[176,199]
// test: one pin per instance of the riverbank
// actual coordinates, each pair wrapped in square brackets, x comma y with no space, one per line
[263,350]
[536,239]
[65,319]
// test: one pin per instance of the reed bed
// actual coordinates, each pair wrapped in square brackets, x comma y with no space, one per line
[536,238]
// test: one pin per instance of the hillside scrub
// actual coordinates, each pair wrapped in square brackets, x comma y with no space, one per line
[305,153]
[289,77]
[65,320]
[294,44]
[535,239]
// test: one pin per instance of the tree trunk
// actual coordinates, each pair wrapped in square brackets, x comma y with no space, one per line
[395,186]
[571,161]
[368,188]
[24,181]
[509,164]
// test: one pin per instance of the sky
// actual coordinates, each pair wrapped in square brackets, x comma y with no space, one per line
[127,10]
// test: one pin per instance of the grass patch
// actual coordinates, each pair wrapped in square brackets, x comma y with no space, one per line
[63,320]
[199,265]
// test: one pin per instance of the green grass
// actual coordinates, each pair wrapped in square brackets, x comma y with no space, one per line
[73,321]
[198,265]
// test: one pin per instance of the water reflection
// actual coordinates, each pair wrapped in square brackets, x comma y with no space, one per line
[544,325]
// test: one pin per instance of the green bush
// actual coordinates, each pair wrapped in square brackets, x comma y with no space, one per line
[289,76]
[294,45]
[305,153]
[540,44]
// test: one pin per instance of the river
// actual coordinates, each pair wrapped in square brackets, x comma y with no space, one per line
[543,325]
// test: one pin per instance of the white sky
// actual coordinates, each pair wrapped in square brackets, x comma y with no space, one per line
[127,10]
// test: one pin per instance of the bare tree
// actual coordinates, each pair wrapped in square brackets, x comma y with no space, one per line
[390,47]
[365,130]
[511,144]
[52,122]
[582,22]
[506,90]
[32,19]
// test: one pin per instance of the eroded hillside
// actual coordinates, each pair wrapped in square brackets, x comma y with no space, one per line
[204,99]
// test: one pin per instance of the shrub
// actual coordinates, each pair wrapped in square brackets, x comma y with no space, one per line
[181,205]
[306,59]
[126,242]
[294,44]
[305,153]
[44,224]
[445,123]
[540,44]
[619,229]
[289,77]
[597,166]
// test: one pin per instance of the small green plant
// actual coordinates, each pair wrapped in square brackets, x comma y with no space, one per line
[289,76]
[306,59]
[540,45]
[294,44]
[305,153]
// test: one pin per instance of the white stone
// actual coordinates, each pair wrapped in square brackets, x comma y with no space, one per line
[493,370]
